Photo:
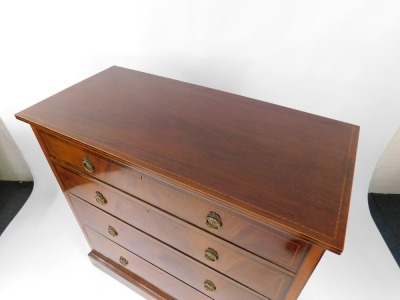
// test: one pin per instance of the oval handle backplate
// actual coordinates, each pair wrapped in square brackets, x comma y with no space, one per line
[211,254]
[123,261]
[87,164]
[213,220]
[209,286]
[100,198]
[112,231]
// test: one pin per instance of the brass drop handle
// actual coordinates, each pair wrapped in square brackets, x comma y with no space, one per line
[112,231]
[87,164]
[213,220]
[211,254]
[100,198]
[209,286]
[123,261]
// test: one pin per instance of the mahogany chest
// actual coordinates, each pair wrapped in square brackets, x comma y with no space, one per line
[185,192]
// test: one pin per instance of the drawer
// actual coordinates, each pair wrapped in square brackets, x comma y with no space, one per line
[169,284]
[242,266]
[202,191]
[113,173]
[280,248]
[239,229]
[161,255]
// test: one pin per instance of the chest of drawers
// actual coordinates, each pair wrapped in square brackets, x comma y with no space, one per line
[185,192]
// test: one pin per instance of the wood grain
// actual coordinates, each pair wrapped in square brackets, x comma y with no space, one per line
[167,153]
[163,256]
[258,274]
[287,167]
[281,248]
[141,276]
[306,269]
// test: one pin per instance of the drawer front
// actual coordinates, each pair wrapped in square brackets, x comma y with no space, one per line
[142,268]
[161,255]
[219,255]
[257,238]
[115,174]
[281,249]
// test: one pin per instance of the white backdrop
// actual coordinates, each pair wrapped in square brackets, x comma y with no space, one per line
[338,59]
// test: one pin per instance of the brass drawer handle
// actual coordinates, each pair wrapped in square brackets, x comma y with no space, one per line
[211,254]
[213,220]
[87,164]
[112,231]
[100,198]
[123,261]
[209,286]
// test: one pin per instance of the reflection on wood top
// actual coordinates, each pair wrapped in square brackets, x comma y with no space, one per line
[289,168]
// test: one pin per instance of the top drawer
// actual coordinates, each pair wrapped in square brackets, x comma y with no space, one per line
[283,249]
[86,161]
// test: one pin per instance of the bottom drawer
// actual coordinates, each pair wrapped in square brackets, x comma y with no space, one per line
[170,285]
[193,273]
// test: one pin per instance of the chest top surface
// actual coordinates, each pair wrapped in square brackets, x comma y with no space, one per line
[291,169]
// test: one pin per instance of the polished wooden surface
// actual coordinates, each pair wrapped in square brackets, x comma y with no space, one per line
[154,281]
[130,279]
[288,168]
[149,165]
[283,249]
[305,271]
[115,174]
[163,256]
[248,269]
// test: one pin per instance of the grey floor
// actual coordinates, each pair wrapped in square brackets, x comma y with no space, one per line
[385,210]
[13,195]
